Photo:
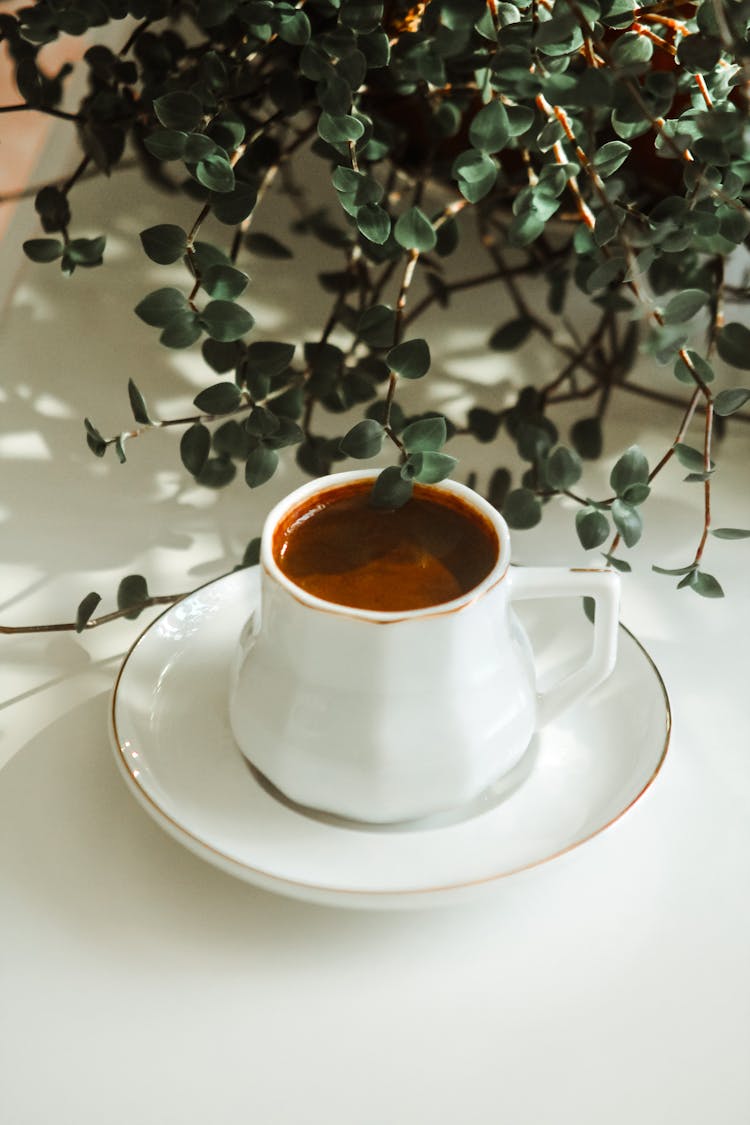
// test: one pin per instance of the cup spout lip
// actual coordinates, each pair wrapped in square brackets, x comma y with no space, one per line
[273,572]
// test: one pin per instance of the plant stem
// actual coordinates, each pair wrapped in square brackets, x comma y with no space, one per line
[70,626]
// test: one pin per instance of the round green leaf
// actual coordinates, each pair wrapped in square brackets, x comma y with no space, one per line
[223,320]
[390,489]
[592,527]
[131,594]
[182,330]
[166,144]
[224,282]
[609,157]
[43,249]
[260,465]
[340,129]
[158,308]
[216,173]
[410,359]
[179,110]
[363,440]
[628,522]
[221,398]
[294,27]
[490,129]
[164,244]
[376,326]
[271,357]
[730,401]
[522,509]
[414,231]
[706,585]
[733,345]
[374,223]
[430,467]
[683,306]
[425,435]
[195,446]
[699,53]
[86,609]
[692,459]
[631,468]
[138,405]
[563,468]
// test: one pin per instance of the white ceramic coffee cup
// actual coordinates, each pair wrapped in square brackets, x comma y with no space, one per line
[383,717]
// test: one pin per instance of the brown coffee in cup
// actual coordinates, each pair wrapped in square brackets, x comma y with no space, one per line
[340,548]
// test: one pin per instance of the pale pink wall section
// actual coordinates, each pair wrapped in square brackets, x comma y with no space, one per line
[23,136]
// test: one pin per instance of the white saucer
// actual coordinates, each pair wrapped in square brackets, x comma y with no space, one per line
[174,747]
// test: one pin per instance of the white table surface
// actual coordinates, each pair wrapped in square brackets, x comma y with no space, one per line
[141,984]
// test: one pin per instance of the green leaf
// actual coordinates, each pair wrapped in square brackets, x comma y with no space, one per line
[164,244]
[179,110]
[216,173]
[733,345]
[262,422]
[675,571]
[683,306]
[266,246]
[288,433]
[390,489]
[195,446]
[410,359]
[490,129]
[691,459]
[609,157]
[233,207]
[217,472]
[131,594]
[294,27]
[425,435]
[374,223]
[699,53]
[563,468]
[271,357]
[198,146]
[511,334]
[166,144]
[631,468]
[138,405]
[86,251]
[260,465]
[158,308]
[221,398]
[340,129]
[363,440]
[592,527]
[476,174]
[223,320]
[428,467]
[224,281]
[730,401]
[730,533]
[587,438]
[182,330]
[701,365]
[628,522]
[43,249]
[522,509]
[376,326]
[524,229]
[618,564]
[86,609]
[53,209]
[94,439]
[706,585]
[414,231]
[636,493]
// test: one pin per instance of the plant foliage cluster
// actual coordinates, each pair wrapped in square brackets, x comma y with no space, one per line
[596,145]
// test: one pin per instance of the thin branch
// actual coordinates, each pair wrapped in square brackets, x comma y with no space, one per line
[71,627]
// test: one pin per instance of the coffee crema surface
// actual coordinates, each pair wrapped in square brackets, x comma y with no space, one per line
[432,550]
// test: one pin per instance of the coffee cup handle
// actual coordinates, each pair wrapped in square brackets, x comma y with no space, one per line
[562,582]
